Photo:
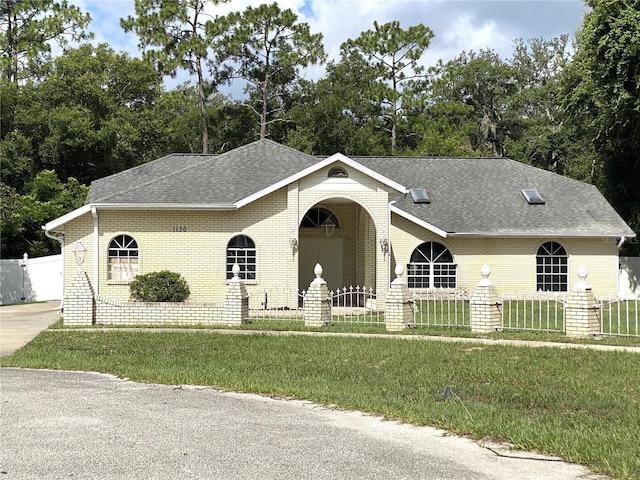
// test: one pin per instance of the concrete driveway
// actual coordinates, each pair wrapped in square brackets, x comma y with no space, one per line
[60,425]
[19,324]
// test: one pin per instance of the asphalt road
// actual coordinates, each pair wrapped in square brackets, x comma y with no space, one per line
[77,425]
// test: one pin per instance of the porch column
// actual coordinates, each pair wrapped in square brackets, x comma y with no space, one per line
[317,302]
[398,313]
[580,317]
[484,306]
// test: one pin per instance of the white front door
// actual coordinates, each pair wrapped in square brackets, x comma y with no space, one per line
[328,253]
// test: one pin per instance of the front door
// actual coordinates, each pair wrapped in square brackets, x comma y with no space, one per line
[328,253]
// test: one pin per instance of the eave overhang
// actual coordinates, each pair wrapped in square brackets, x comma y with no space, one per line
[57,224]
[555,234]
[417,221]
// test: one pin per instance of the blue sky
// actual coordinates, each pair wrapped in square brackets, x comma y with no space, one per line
[459,25]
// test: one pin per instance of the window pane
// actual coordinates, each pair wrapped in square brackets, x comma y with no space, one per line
[551,268]
[122,263]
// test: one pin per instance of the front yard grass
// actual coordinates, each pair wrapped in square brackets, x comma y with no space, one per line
[582,405]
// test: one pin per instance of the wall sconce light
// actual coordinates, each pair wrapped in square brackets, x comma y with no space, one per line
[384,245]
[293,241]
[79,252]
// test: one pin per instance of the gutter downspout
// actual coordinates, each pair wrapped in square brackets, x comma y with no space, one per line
[620,243]
[389,266]
[60,240]
[96,247]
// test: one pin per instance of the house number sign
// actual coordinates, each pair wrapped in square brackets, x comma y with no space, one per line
[179,229]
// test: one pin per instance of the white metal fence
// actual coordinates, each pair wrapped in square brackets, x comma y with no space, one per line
[276,304]
[537,311]
[619,317]
[441,308]
[534,311]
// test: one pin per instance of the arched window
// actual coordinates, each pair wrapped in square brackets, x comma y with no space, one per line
[242,250]
[431,267]
[320,218]
[316,217]
[551,268]
[123,259]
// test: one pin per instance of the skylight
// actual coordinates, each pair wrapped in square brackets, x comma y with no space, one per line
[419,195]
[532,196]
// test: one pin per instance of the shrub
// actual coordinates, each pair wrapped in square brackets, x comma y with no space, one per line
[164,286]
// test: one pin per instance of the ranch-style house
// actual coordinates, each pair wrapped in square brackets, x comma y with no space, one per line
[277,212]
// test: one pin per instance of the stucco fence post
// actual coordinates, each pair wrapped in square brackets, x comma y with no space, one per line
[317,301]
[79,303]
[398,311]
[581,311]
[484,308]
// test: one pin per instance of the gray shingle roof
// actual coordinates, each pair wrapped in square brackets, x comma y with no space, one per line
[202,179]
[482,196]
[475,196]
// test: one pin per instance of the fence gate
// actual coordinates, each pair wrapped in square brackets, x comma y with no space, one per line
[357,305]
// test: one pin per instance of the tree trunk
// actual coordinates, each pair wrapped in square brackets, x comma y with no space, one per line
[203,108]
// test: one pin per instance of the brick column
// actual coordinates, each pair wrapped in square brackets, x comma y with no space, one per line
[317,302]
[236,300]
[398,313]
[580,312]
[79,302]
[485,305]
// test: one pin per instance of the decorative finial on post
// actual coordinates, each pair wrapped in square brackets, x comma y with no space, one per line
[582,275]
[235,270]
[318,272]
[399,270]
[485,271]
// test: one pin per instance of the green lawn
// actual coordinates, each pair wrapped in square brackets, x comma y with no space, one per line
[583,405]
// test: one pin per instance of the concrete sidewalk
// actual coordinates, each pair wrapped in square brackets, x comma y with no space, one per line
[19,324]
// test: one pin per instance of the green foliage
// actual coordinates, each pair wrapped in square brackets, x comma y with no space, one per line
[333,115]
[393,54]
[176,35]
[266,47]
[163,286]
[91,117]
[485,82]
[22,216]
[603,86]
[27,29]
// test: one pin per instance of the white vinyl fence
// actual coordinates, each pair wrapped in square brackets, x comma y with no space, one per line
[31,279]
